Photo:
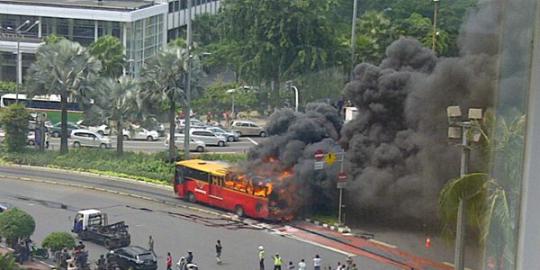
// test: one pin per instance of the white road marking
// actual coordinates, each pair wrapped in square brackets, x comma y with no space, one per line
[251,140]
[382,243]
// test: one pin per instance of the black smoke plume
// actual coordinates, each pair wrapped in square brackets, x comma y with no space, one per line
[294,139]
[398,153]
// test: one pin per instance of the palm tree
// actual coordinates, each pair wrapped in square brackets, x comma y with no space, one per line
[66,69]
[7,262]
[163,82]
[116,100]
[491,203]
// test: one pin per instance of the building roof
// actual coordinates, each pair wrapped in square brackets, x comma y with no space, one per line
[126,5]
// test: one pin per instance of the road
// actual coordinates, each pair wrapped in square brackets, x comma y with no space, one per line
[174,227]
[157,146]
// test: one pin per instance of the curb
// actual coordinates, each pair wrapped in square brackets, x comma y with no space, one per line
[336,227]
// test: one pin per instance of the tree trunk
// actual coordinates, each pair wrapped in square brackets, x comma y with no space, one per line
[119,137]
[275,93]
[64,118]
[172,128]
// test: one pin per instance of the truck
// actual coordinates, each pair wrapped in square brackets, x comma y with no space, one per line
[92,225]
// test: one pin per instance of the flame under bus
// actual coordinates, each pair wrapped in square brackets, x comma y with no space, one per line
[213,183]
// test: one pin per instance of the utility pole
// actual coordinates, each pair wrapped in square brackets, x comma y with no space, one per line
[459,257]
[353,38]
[187,121]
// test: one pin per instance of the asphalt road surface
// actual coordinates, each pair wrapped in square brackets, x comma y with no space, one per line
[241,146]
[174,227]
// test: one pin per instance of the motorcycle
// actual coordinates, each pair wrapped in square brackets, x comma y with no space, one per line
[184,265]
[39,253]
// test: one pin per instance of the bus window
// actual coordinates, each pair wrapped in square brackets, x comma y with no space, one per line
[196,174]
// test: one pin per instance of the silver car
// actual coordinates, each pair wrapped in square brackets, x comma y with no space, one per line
[231,136]
[247,128]
[208,137]
[83,137]
[194,145]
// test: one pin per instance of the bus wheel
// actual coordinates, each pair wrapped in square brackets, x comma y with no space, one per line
[239,211]
[191,197]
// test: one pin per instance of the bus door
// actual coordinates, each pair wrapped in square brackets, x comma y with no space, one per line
[216,186]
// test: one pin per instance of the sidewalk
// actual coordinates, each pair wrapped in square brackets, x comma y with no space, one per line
[376,251]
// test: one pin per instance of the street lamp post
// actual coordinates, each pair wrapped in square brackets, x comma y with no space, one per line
[434,34]
[353,37]
[188,83]
[231,91]
[461,129]
[293,87]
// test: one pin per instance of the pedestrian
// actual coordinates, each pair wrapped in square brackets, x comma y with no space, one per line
[353,267]
[291,266]
[302,265]
[339,266]
[277,262]
[169,261]
[349,263]
[218,251]
[261,258]
[151,245]
[189,257]
[317,262]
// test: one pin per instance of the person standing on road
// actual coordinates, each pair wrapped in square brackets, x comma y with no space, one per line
[317,262]
[218,251]
[291,266]
[151,245]
[302,265]
[261,258]
[169,261]
[277,262]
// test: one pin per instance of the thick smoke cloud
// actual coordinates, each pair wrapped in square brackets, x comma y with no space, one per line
[286,157]
[397,149]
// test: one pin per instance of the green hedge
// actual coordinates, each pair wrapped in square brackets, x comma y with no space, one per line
[139,166]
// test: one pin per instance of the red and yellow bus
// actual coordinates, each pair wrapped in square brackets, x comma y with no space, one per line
[213,183]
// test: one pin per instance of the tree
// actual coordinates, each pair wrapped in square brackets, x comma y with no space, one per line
[57,241]
[272,40]
[163,83]
[375,33]
[14,119]
[66,69]
[7,262]
[16,224]
[216,99]
[110,52]
[116,100]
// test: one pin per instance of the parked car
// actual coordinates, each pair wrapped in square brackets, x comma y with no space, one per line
[194,123]
[208,137]
[194,145]
[84,137]
[101,129]
[56,129]
[230,135]
[247,128]
[132,257]
[2,135]
[31,138]
[4,207]
[140,134]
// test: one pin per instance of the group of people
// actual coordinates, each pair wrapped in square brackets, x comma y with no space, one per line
[79,254]
[186,262]
[302,265]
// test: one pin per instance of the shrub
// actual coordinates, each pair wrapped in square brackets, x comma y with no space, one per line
[7,262]
[57,241]
[16,224]
[14,119]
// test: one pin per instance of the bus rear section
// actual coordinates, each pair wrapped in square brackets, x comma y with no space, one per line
[212,183]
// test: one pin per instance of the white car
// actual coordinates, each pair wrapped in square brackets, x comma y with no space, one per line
[2,135]
[140,134]
[193,123]
[194,145]
[101,129]
[248,128]
[84,137]
[230,135]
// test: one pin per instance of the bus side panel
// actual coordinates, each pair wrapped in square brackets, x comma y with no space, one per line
[254,207]
[197,188]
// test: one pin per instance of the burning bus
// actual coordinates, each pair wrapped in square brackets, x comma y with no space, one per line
[220,185]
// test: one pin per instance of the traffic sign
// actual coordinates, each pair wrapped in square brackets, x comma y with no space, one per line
[319,165]
[342,177]
[341,185]
[319,155]
[330,158]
